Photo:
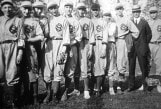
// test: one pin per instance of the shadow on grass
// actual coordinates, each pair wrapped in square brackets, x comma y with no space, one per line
[94,103]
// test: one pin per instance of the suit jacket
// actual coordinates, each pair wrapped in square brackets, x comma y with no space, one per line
[141,44]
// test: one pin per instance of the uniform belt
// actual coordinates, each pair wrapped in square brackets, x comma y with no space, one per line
[155,42]
[84,38]
[7,41]
[111,42]
[55,38]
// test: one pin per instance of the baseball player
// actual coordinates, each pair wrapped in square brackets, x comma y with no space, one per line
[155,25]
[55,51]
[85,53]
[72,68]
[38,8]
[111,50]
[11,45]
[99,41]
[33,34]
[124,26]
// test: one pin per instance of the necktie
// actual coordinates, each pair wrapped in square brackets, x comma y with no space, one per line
[136,21]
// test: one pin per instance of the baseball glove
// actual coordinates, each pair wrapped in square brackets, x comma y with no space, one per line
[154,81]
[62,58]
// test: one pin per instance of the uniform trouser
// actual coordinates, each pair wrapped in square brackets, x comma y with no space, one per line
[71,65]
[122,59]
[52,70]
[111,58]
[40,49]
[100,64]
[32,60]
[156,56]
[143,63]
[24,77]
[85,63]
[8,67]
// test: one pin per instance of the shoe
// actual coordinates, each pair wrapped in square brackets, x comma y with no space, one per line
[36,102]
[128,90]
[8,102]
[46,100]
[120,92]
[86,95]
[111,91]
[97,94]
[64,97]
[54,99]
[94,91]
[75,92]
[118,88]
[141,88]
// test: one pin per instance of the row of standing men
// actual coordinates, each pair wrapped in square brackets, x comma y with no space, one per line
[63,46]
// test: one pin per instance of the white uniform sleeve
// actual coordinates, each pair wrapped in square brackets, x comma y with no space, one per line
[105,32]
[66,33]
[39,32]
[133,29]
[112,30]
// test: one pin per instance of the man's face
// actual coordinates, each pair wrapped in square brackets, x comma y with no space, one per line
[82,12]
[119,11]
[107,18]
[7,9]
[153,15]
[68,10]
[38,11]
[53,10]
[136,14]
[26,11]
[95,12]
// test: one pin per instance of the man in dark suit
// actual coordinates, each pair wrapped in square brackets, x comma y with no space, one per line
[140,49]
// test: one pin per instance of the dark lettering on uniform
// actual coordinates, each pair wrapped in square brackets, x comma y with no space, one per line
[123,27]
[98,28]
[13,29]
[159,28]
[85,27]
[58,27]
[71,29]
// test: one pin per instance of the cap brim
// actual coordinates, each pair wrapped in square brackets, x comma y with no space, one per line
[39,6]
[68,4]
[6,3]
[119,7]
[95,8]
[81,7]
[26,6]
[136,10]
[53,5]
[153,11]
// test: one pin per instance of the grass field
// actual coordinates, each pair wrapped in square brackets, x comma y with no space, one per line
[134,100]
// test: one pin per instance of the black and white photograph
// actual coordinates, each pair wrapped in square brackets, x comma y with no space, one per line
[80,54]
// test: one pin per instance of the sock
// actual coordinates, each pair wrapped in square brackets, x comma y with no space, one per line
[98,82]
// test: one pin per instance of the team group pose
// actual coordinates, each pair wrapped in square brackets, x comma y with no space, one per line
[61,48]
